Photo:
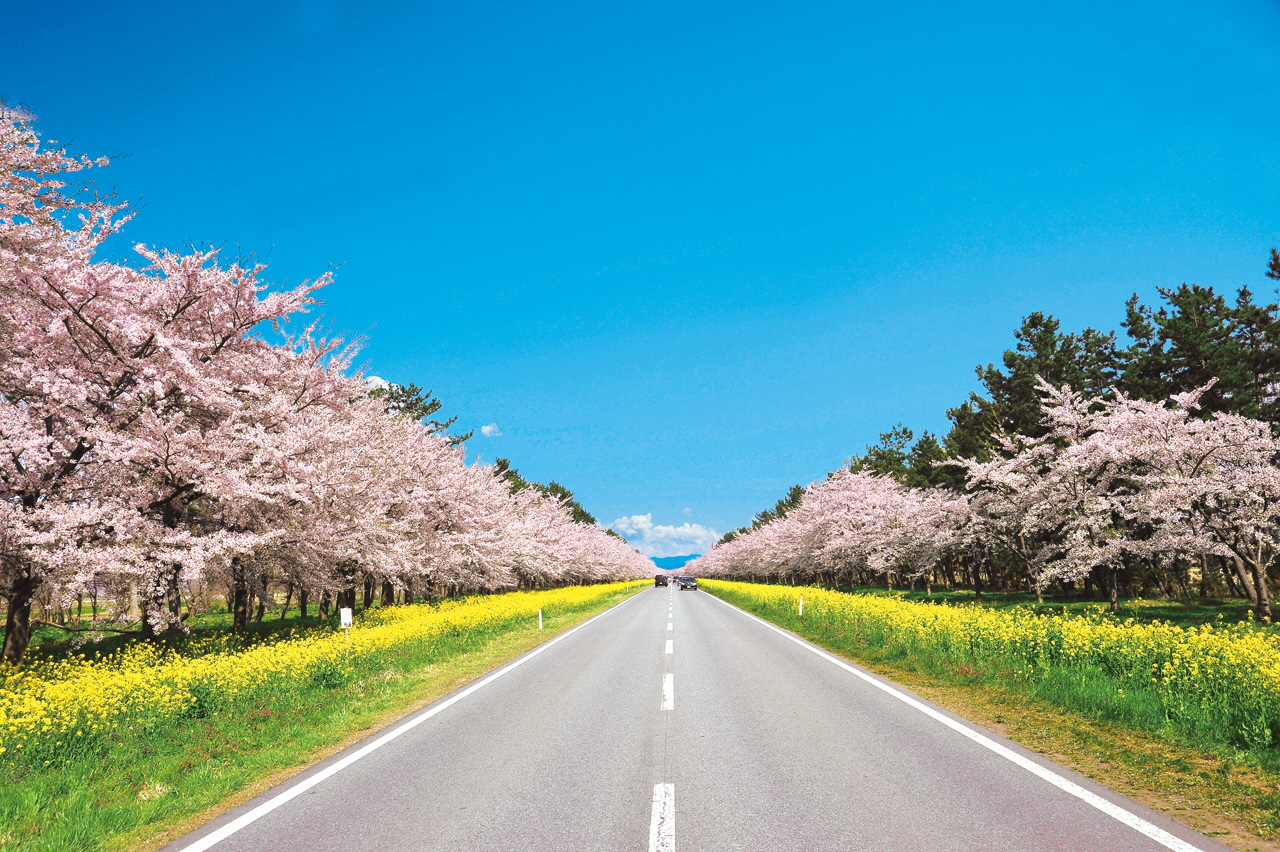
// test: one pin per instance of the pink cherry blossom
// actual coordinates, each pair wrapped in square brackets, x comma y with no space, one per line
[154,437]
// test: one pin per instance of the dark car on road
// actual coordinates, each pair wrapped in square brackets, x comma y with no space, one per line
[660,580]
[686,583]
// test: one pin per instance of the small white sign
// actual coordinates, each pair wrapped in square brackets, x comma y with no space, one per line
[344,616]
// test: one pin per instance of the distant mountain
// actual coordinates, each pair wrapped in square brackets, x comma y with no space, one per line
[671,563]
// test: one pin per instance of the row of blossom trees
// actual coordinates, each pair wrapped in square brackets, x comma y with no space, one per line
[1112,482]
[151,436]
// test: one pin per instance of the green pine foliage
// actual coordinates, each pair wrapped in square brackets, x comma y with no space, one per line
[413,402]
[552,489]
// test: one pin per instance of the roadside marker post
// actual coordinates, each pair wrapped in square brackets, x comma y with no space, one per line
[344,621]
[539,619]
[802,604]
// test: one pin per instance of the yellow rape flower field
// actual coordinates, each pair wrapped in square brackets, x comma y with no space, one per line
[53,710]
[1216,682]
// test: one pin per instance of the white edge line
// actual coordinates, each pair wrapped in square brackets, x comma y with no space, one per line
[1108,807]
[210,840]
[662,822]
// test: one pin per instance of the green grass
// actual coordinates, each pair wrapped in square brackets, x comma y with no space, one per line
[52,643]
[155,786]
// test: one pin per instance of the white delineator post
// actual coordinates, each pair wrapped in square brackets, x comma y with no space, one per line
[344,620]
[539,619]
[802,604]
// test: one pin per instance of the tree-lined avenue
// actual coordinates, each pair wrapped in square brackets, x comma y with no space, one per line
[580,745]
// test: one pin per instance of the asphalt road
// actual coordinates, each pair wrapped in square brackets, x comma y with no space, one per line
[677,721]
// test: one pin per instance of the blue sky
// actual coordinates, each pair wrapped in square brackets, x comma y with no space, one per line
[684,255]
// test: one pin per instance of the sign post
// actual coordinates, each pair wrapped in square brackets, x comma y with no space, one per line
[344,621]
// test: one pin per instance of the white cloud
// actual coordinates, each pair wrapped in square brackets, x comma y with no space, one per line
[376,383]
[662,540]
[688,511]
[490,431]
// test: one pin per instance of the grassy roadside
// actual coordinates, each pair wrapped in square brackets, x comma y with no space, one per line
[1224,793]
[156,787]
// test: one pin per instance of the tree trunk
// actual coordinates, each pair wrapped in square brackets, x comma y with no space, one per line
[408,591]
[1262,607]
[302,603]
[288,596]
[1246,581]
[1165,581]
[174,600]
[239,596]
[262,592]
[147,627]
[346,595]
[17,623]
[166,598]
[1113,587]
[388,594]
[324,605]
[368,590]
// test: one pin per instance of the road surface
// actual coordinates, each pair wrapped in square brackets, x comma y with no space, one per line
[675,720]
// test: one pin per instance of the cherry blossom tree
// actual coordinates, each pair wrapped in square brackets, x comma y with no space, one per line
[1109,480]
[1198,485]
[854,523]
[152,435]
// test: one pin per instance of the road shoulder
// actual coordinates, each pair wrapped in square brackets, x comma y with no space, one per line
[1187,786]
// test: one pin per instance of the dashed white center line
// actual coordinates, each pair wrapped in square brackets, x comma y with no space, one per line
[662,825]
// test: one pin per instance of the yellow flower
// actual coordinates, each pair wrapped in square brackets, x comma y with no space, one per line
[141,686]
